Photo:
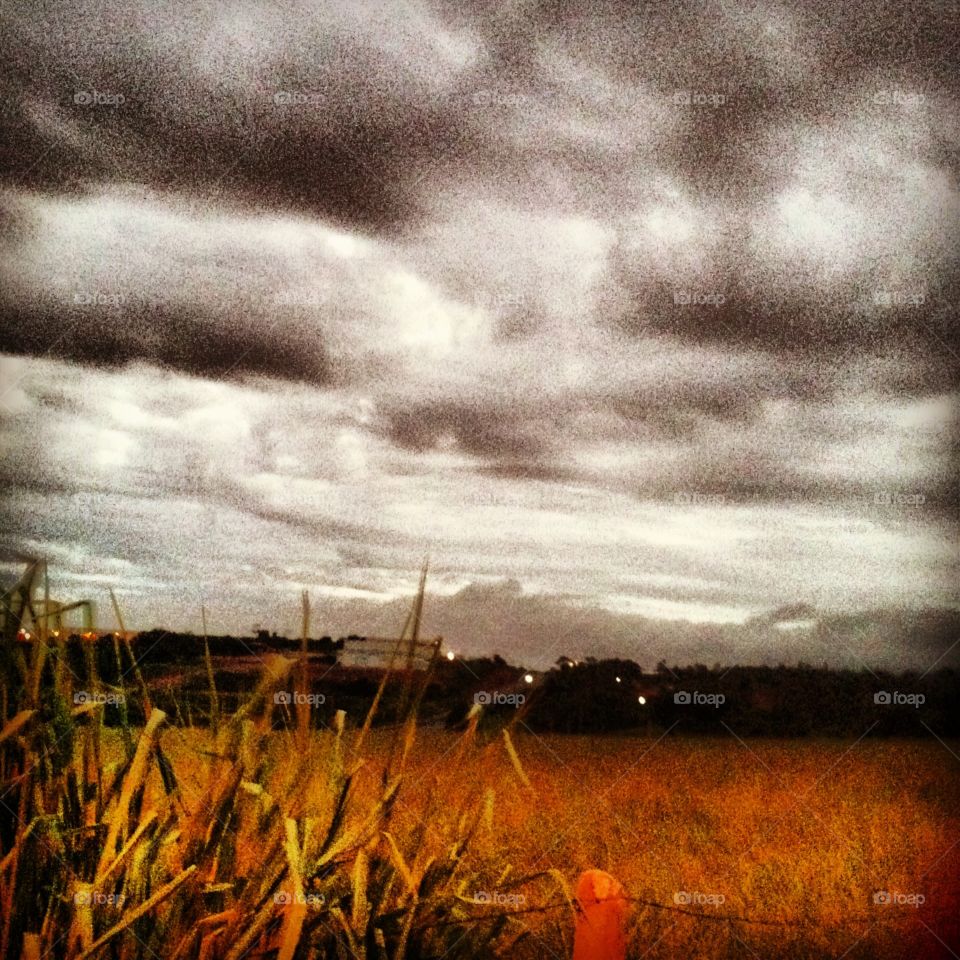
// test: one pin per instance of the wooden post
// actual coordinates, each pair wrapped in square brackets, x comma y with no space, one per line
[601,924]
[302,705]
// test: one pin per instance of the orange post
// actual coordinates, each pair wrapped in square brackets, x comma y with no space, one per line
[601,932]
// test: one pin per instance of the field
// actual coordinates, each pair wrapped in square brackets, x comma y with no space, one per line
[268,835]
[798,833]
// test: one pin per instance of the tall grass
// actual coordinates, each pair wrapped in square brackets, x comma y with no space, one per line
[257,846]
[258,836]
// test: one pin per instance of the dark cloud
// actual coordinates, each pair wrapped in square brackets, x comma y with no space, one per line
[565,108]
[319,121]
[484,430]
[678,410]
[193,341]
[917,321]
[719,79]
[381,116]
[651,308]
[164,298]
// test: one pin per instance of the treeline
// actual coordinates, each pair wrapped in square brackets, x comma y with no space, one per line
[163,647]
[576,697]
[158,651]
[752,701]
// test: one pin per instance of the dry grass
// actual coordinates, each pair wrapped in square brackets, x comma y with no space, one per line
[245,841]
[250,843]
[799,833]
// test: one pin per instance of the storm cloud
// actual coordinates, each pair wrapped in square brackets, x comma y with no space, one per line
[650,313]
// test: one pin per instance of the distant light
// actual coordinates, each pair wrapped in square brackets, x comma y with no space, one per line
[56,633]
[451,655]
[641,700]
[26,635]
[528,678]
[618,679]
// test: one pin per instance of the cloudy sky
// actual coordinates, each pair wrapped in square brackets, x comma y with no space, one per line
[639,322]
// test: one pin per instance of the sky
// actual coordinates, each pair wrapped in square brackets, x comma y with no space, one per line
[640,323]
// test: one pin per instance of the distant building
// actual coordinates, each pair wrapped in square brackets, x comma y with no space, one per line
[379,653]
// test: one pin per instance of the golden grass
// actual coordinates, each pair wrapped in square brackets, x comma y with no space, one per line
[251,845]
[798,832]
[242,841]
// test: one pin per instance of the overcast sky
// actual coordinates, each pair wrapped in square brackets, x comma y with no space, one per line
[640,323]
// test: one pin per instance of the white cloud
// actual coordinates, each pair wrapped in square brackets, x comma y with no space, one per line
[188,480]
